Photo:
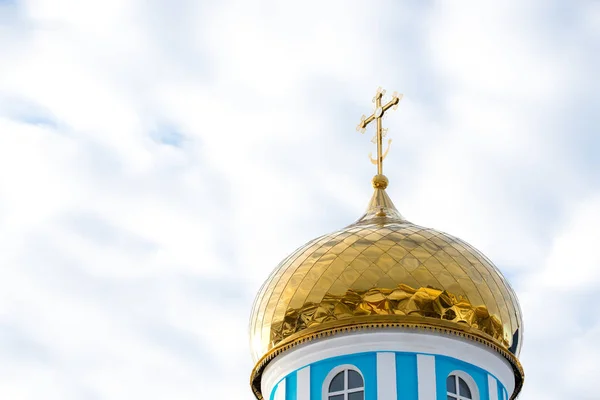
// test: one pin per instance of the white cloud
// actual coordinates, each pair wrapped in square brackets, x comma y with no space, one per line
[556,300]
[129,262]
[574,261]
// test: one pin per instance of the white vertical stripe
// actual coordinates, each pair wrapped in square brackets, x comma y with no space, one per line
[303,383]
[280,391]
[493,387]
[386,376]
[426,377]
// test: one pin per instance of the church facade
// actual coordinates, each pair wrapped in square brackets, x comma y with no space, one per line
[386,309]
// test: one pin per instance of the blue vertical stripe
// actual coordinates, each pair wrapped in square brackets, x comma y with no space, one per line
[501,391]
[291,388]
[406,376]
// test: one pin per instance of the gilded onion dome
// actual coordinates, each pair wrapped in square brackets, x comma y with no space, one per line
[384,271]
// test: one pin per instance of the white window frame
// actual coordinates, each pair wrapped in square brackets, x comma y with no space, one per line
[468,380]
[332,374]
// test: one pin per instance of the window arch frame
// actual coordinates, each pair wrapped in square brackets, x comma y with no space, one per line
[333,373]
[468,380]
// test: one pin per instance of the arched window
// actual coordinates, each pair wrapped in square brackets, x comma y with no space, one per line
[460,386]
[344,383]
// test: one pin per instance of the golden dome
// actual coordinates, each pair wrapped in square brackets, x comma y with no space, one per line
[384,271]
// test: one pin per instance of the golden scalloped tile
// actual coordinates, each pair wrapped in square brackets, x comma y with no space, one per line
[362,285]
[398,273]
[338,289]
[372,274]
[385,262]
[451,251]
[410,243]
[397,236]
[336,267]
[371,252]
[351,239]
[410,262]
[373,237]
[453,268]
[349,254]
[421,253]
[385,282]
[425,278]
[349,276]
[434,266]
[385,244]
[471,290]
[426,233]
[397,253]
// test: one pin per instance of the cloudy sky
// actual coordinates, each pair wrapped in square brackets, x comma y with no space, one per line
[158,159]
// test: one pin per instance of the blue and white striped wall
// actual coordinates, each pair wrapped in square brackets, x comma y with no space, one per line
[406,365]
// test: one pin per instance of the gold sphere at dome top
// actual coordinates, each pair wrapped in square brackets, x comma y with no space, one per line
[380,181]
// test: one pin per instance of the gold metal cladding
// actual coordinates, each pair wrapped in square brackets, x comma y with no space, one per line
[385,265]
[384,322]
[403,301]
[380,132]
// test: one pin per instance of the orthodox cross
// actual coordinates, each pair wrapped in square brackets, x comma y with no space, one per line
[380,133]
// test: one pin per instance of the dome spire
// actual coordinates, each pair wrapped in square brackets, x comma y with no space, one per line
[380,205]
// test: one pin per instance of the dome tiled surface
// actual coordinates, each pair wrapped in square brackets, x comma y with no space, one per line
[384,265]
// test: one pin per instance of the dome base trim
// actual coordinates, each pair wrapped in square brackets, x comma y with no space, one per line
[383,322]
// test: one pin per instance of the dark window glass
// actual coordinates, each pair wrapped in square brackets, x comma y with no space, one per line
[451,398]
[354,380]
[451,384]
[337,383]
[464,388]
[337,397]
[356,395]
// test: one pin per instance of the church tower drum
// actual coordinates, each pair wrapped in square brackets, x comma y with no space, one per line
[386,309]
